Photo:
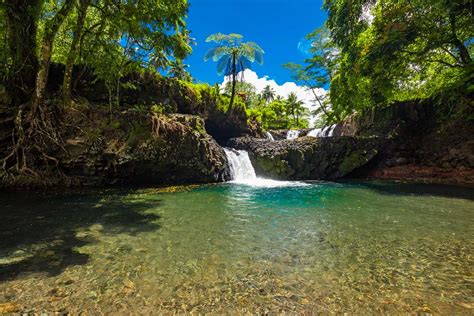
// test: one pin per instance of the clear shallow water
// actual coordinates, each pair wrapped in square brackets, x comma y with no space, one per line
[330,247]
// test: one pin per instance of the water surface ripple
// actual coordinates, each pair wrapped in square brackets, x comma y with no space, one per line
[358,247]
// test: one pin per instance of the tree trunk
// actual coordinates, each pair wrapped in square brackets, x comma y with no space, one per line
[51,29]
[463,51]
[21,19]
[234,83]
[81,18]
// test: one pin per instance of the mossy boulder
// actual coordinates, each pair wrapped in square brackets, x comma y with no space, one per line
[308,158]
[131,148]
[146,90]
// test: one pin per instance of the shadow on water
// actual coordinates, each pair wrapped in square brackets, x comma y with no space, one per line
[419,189]
[42,234]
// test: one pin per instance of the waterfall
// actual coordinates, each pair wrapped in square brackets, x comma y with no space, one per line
[315,132]
[270,136]
[330,132]
[292,134]
[240,165]
[243,172]
[327,131]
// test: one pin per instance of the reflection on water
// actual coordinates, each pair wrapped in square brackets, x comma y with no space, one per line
[329,247]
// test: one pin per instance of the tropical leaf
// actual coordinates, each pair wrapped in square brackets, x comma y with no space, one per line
[256,47]
[215,37]
[243,63]
[216,53]
[210,53]
[236,36]
[259,57]
[223,64]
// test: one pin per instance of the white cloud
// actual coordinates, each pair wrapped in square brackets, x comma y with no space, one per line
[283,90]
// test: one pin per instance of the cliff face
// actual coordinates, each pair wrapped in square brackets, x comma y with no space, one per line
[125,144]
[418,140]
[307,158]
[173,95]
[129,148]
[409,140]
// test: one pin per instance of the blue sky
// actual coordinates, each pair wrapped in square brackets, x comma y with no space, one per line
[276,25]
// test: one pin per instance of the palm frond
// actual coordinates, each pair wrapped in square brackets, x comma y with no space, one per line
[210,53]
[243,63]
[259,57]
[256,47]
[253,52]
[248,52]
[216,53]
[218,37]
[223,64]
[236,36]
[229,46]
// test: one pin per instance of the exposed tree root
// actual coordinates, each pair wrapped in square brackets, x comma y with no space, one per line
[161,125]
[35,136]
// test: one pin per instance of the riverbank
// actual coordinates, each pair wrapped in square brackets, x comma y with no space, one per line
[174,133]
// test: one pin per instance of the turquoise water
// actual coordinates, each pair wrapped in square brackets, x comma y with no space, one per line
[359,247]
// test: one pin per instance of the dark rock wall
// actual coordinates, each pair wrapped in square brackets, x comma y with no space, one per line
[409,140]
[133,151]
[418,133]
[175,96]
[130,148]
[307,158]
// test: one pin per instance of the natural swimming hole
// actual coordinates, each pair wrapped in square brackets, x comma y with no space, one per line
[361,247]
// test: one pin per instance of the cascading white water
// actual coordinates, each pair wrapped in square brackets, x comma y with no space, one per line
[244,173]
[292,134]
[327,131]
[330,132]
[240,165]
[315,132]
[270,136]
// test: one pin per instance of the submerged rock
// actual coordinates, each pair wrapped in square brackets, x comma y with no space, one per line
[308,158]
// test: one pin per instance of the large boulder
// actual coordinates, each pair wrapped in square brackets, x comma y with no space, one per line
[148,150]
[129,148]
[307,158]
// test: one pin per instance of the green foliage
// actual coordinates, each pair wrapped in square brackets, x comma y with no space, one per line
[177,69]
[117,37]
[246,92]
[158,109]
[233,56]
[372,53]
[280,113]
[317,72]
[137,135]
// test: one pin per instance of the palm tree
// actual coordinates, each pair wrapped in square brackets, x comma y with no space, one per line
[295,107]
[233,56]
[268,94]
[279,98]
[301,112]
[177,69]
